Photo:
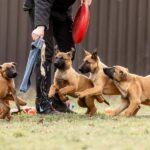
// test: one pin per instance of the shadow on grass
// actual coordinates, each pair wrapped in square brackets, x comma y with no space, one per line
[142,116]
[39,119]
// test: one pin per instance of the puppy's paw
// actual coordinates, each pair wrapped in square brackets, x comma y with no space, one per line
[63,98]
[79,94]
[9,117]
[109,112]
[21,102]
[50,95]
[126,114]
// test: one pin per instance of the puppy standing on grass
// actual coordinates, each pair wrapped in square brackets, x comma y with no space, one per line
[7,89]
[133,88]
[67,81]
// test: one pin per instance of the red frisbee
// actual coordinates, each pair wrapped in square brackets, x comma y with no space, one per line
[81,22]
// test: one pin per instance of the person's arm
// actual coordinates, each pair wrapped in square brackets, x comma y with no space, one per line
[41,17]
[42,12]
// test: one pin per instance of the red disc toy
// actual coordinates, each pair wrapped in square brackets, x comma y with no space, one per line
[81,22]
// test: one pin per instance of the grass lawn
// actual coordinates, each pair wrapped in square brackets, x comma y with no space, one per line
[77,131]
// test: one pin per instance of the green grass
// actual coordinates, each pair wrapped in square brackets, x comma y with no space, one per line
[77,131]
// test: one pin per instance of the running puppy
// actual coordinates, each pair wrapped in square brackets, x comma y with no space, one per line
[133,88]
[102,83]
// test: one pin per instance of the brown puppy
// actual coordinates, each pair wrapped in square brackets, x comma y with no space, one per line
[102,83]
[67,81]
[7,75]
[134,90]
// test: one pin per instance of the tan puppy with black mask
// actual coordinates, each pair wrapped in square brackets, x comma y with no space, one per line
[102,83]
[133,88]
[67,81]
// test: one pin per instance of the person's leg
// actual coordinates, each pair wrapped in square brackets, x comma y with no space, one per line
[43,105]
[63,34]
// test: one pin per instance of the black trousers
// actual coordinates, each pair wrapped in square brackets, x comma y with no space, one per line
[60,34]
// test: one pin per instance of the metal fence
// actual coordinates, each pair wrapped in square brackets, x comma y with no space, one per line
[120,29]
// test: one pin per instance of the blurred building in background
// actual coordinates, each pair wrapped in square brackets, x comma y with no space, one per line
[119,29]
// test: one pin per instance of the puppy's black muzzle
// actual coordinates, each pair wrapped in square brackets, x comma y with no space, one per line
[84,69]
[59,63]
[10,73]
[109,71]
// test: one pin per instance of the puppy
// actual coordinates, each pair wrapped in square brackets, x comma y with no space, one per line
[133,88]
[67,81]
[7,75]
[102,83]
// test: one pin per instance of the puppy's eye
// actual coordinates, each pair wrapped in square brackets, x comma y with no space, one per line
[87,62]
[6,69]
[121,72]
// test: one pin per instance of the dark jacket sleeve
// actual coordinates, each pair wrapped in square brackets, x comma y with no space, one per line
[42,12]
[28,5]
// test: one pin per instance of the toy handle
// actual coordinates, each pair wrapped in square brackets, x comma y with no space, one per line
[88,2]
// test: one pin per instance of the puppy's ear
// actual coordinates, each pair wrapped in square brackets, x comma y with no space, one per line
[71,53]
[57,51]
[0,67]
[73,49]
[86,53]
[127,69]
[94,54]
[14,63]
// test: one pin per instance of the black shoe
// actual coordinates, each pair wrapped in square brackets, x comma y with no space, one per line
[59,105]
[45,107]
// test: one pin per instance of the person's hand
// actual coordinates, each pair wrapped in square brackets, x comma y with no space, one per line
[38,32]
[88,1]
